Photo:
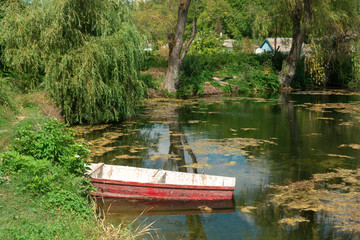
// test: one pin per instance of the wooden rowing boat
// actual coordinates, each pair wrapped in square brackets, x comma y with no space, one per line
[142,183]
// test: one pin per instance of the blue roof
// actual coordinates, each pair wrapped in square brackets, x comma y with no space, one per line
[268,46]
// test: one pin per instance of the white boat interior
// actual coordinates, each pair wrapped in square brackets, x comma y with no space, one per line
[160,176]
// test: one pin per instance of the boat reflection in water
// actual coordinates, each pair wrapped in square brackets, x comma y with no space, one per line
[126,207]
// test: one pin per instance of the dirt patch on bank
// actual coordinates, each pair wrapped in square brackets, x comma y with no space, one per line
[156,72]
[212,90]
[43,101]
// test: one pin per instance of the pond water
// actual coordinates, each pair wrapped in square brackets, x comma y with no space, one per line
[277,139]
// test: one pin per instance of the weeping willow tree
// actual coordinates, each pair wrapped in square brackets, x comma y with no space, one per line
[88,50]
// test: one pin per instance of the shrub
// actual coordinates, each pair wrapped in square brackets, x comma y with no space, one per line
[302,78]
[207,43]
[256,72]
[193,75]
[258,81]
[54,142]
[46,161]
[154,60]
[42,178]
[148,80]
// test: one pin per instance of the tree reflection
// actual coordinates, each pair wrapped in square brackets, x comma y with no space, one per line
[295,143]
[178,145]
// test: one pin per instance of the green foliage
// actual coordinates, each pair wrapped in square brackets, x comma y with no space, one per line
[8,105]
[277,60]
[155,18]
[154,60]
[315,64]
[42,178]
[89,51]
[149,81]
[19,37]
[342,70]
[46,161]
[224,88]
[302,79]
[252,72]
[66,200]
[193,75]
[215,15]
[6,95]
[257,81]
[52,141]
[207,42]
[356,63]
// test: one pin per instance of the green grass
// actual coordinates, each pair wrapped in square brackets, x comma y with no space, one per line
[24,218]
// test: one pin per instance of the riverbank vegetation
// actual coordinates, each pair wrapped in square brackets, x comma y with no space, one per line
[329,30]
[43,187]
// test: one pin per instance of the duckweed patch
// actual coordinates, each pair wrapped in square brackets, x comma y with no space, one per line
[335,194]
[232,146]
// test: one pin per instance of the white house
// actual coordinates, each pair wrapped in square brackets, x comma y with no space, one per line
[282,45]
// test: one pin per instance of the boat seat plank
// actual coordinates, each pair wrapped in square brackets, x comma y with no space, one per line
[95,168]
[159,177]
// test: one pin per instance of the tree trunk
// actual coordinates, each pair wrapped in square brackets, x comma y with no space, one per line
[300,25]
[172,76]
[177,50]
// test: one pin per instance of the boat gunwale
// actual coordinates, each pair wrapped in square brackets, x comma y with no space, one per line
[162,185]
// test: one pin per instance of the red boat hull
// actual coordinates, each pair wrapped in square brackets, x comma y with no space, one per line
[126,207]
[135,190]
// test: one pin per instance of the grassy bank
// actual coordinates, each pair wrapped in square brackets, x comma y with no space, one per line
[43,191]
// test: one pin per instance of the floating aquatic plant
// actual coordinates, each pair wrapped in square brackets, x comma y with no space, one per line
[335,193]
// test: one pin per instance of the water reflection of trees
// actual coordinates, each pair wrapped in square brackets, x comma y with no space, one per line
[178,146]
[295,143]
[122,144]
[301,162]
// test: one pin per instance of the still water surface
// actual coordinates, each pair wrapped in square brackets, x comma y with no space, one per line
[275,139]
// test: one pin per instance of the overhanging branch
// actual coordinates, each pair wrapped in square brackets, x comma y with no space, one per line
[193,34]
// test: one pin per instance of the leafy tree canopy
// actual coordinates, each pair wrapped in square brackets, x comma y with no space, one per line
[88,50]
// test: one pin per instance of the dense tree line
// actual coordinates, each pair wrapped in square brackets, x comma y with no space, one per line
[88,54]
[332,28]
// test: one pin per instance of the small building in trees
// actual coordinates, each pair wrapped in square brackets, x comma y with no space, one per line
[282,45]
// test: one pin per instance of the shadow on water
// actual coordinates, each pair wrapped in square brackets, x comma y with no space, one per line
[260,141]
